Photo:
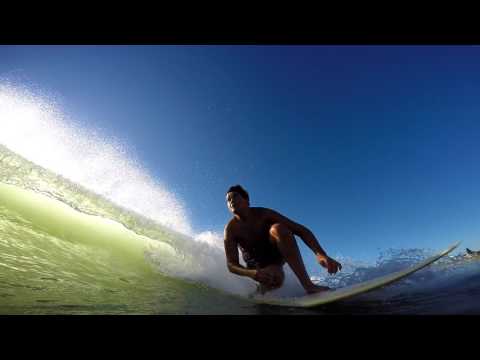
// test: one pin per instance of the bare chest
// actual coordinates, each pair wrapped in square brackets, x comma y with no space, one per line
[249,234]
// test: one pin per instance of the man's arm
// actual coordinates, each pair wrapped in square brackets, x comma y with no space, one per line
[231,251]
[308,238]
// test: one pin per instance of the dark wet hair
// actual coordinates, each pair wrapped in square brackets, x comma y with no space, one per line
[240,190]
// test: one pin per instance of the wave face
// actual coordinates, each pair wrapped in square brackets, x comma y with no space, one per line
[85,229]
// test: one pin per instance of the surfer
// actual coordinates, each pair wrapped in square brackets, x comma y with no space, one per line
[266,240]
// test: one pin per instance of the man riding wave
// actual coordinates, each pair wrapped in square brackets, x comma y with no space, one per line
[266,240]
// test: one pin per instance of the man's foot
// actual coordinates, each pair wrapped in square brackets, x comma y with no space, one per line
[316,289]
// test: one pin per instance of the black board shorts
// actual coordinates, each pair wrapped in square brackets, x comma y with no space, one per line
[261,255]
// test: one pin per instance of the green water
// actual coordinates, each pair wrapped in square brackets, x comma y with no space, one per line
[65,250]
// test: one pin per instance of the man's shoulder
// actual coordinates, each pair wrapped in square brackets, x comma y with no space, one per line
[230,230]
[230,224]
[262,210]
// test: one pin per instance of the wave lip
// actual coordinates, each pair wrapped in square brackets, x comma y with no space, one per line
[34,128]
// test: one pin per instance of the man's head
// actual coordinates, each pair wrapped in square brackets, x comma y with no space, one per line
[237,199]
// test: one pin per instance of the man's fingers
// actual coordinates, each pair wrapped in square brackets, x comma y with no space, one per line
[334,268]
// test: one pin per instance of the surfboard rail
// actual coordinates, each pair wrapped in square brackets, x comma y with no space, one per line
[352,290]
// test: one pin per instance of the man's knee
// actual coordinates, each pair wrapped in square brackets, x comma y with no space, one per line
[280,232]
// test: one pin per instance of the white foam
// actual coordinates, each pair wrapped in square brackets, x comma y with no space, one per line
[34,128]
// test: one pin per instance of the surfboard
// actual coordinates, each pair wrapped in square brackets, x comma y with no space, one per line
[329,296]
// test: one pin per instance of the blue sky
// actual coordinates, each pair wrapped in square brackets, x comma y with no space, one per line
[371,147]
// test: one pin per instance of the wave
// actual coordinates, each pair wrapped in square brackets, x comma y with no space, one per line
[41,151]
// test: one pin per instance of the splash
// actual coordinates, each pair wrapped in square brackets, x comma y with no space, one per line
[34,127]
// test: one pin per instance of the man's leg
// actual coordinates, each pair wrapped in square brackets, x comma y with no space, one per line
[283,238]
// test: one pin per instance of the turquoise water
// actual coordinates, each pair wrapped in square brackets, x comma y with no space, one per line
[57,259]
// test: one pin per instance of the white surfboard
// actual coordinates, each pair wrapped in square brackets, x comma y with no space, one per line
[349,291]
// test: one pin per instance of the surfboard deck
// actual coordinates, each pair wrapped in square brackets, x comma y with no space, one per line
[329,296]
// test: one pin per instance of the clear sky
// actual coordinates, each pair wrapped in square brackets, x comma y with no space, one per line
[371,147]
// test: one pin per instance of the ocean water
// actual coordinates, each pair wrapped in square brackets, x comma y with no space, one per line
[85,230]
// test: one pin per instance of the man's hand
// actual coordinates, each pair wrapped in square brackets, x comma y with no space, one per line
[268,276]
[327,262]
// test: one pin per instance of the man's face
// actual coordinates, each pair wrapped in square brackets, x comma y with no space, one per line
[236,202]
